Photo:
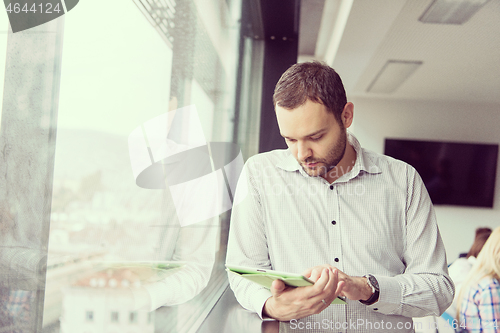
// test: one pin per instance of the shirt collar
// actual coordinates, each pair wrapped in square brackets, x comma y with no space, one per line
[363,161]
[289,163]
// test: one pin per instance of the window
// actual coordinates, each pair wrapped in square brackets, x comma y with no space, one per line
[133,317]
[104,76]
[114,317]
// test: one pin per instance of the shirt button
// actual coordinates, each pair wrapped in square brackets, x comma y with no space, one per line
[334,222]
[331,187]
[336,259]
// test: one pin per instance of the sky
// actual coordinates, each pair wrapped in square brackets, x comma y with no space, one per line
[115,68]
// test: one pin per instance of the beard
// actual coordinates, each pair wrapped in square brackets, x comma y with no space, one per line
[333,157]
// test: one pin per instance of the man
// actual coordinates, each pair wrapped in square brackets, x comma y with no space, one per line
[359,224]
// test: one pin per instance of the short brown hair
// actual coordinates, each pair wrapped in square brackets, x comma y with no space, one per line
[313,81]
[482,235]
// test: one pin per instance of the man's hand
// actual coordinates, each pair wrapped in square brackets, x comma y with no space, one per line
[355,287]
[294,303]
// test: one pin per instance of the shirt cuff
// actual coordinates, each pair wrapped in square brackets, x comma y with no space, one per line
[259,300]
[142,299]
[389,300]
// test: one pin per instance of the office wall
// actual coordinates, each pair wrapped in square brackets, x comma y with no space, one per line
[376,119]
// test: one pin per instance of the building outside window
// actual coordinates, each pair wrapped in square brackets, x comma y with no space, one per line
[114,317]
[89,79]
[89,316]
[133,317]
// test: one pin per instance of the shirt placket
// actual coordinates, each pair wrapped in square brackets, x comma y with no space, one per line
[335,256]
[334,231]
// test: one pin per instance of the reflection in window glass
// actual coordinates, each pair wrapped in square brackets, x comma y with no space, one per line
[27,139]
[133,317]
[4,28]
[126,232]
[114,317]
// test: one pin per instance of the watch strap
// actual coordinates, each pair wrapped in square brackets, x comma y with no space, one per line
[375,290]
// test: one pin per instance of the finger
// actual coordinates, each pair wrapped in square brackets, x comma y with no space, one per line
[316,274]
[320,284]
[332,289]
[277,287]
[328,293]
[331,286]
[307,273]
[340,289]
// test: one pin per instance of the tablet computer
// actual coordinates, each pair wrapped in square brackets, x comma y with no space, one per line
[265,277]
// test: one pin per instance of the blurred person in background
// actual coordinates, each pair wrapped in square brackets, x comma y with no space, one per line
[459,269]
[479,297]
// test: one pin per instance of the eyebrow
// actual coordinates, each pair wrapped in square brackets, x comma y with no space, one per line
[309,135]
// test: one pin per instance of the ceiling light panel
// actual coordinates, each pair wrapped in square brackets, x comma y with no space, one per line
[392,75]
[451,11]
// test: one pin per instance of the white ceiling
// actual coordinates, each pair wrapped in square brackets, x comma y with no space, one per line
[460,62]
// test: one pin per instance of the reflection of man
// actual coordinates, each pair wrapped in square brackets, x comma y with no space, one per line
[193,244]
[359,224]
[179,238]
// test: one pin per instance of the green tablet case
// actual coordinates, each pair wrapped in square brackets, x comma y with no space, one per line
[266,277]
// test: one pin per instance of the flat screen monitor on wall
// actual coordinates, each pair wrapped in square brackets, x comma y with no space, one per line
[454,173]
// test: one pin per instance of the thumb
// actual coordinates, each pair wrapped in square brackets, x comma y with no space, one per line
[277,287]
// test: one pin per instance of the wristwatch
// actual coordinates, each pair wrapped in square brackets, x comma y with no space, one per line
[373,283]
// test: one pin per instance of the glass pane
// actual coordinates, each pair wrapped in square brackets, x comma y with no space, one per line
[117,143]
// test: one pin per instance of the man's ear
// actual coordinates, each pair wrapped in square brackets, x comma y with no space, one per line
[348,114]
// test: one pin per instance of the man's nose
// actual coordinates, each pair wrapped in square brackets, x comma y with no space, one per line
[303,151]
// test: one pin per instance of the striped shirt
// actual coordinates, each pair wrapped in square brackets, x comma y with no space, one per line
[480,308]
[377,218]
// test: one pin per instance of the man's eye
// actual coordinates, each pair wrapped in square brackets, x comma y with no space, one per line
[316,138]
[290,140]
